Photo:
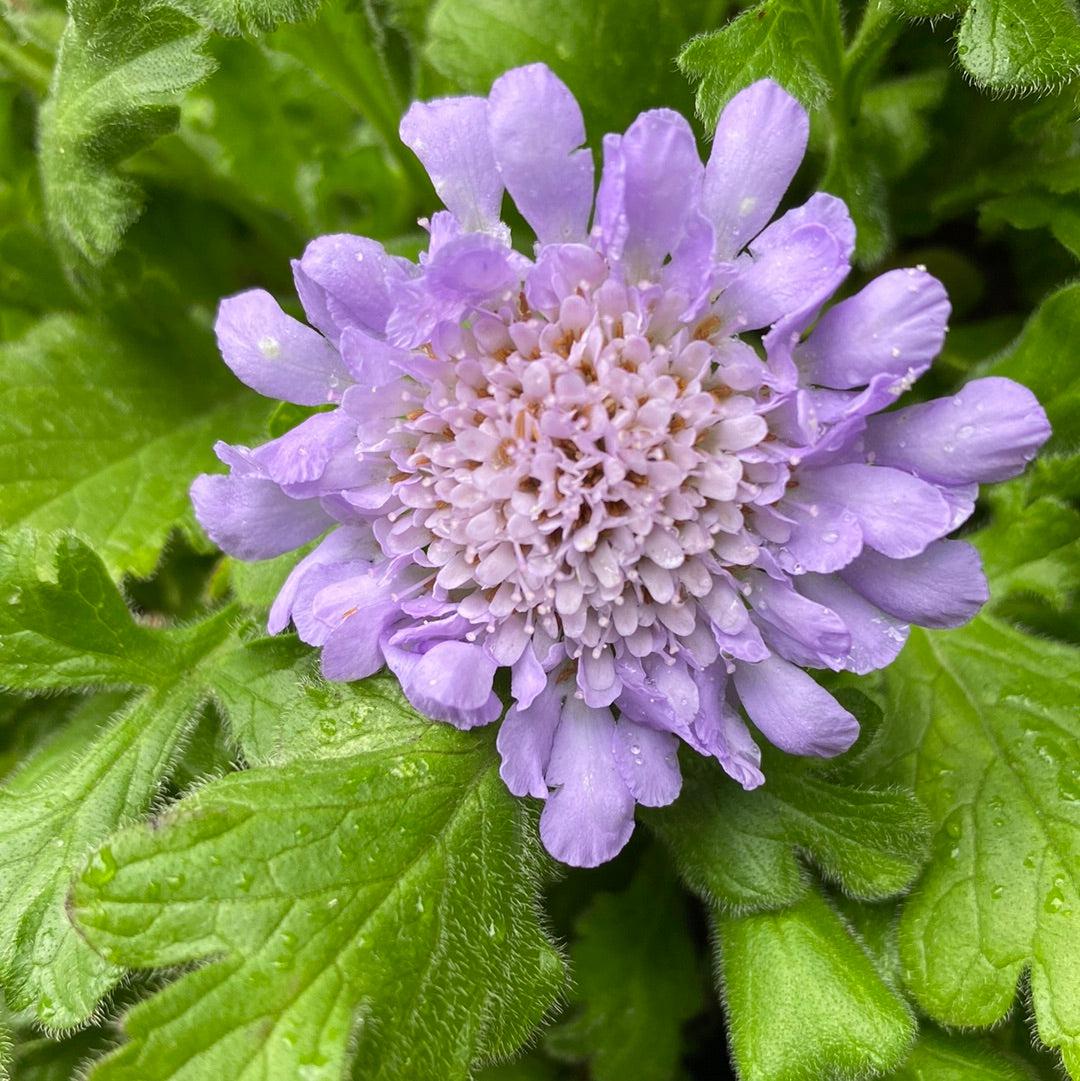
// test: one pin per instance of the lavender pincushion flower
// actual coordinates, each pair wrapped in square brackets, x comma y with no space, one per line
[574,467]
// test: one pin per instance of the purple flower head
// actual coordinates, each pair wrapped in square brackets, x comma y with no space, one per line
[576,467]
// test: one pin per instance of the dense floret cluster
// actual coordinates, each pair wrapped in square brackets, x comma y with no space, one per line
[626,469]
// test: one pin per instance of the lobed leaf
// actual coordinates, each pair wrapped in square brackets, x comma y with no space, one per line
[1042,359]
[59,807]
[97,438]
[937,1056]
[994,753]
[385,900]
[120,69]
[1020,44]
[739,849]
[1032,544]
[796,42]
[247,16]
[804,999]
[595,46]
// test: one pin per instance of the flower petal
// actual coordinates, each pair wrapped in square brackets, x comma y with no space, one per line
[760,140]
[352,650]
[795,626]
[250,517]
[559,271]
[794,713]
[661,187]
[450,681]
[722,733]
[943,586]
[450,136]
[876,637]
[302,454]
[780,277]
[536,129]
[351,279]
[590,817]
[275,354]
[648,762]
[524,742]
[899,514]
[824,537]
[344,544]
[989,431]
[895,325]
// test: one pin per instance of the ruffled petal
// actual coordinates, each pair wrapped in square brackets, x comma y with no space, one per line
[760,140]
[794,713]
[824,537]
[660,695]
[876,637]
[449,681]
[899,514]
[275,354]
[250,517]
[796,627]
[302,455]
[722,733]
[348,281]
[660,188]
[942,587]
[524,742]
[648,762]
[527,678]
[560,270]
[779,277]
[536,130]
[466,271]
[345,544]
[893,326]
[450,136]
[820,209]
[351,650]
[989,431]
[590,816]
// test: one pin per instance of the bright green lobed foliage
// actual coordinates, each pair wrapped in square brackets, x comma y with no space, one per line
[215,865]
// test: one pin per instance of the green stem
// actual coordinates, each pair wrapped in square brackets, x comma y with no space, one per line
[876,33]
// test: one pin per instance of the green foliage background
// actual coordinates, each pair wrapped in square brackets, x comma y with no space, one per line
[213,865]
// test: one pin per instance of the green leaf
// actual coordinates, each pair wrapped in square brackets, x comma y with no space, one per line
[616,58]
[120,69]
[247,16]
[1042,358]
[38,1058]
[97,437]
[940,1057]
[1037,210]
[1020,44]
[803,998]
[1032,544]
[280,709]
[63,626]
[636,980]
[738,849]
[327,173]
[384,901]
[796,42]
[994,751]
